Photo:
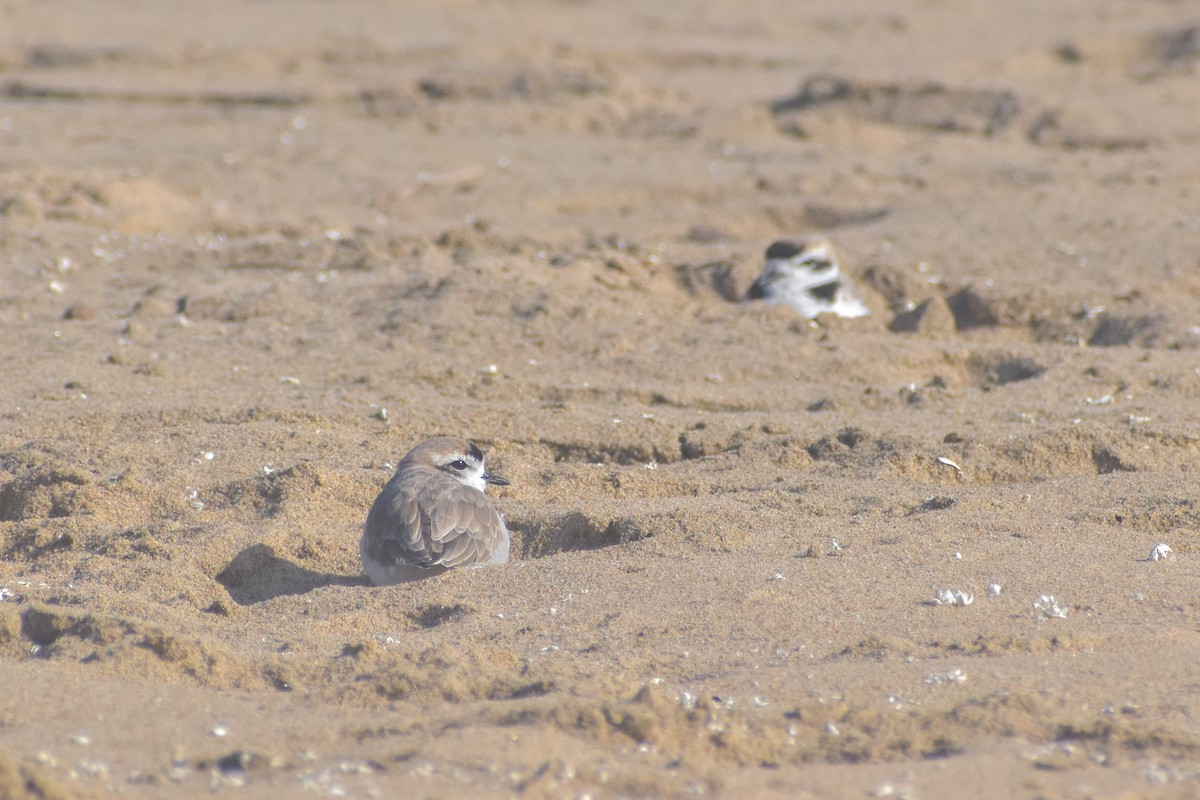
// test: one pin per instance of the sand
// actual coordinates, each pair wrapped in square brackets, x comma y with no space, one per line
[255,251]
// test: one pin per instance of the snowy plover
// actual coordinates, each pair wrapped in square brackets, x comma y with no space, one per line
[433,515]
[804,274]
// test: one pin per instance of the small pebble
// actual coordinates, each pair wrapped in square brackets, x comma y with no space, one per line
[79,311]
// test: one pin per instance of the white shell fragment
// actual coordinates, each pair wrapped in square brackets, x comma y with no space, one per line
[994,589]
[955,675]
[1046,606]
[193,497]
[954,597]
[1160,552]
[949,463]
[888,789]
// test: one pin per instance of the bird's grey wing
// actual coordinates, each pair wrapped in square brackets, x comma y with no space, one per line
[465,528]
[398,532]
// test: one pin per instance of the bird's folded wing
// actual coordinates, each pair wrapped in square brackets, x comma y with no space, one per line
[465,527]
[458,527]
[397,531]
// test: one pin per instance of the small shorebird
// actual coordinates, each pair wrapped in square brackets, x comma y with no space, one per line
[433,515]
[804,273]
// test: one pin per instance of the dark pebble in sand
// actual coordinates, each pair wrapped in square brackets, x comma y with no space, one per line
[79,311]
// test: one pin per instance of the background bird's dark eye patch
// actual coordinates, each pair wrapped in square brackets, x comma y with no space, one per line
[784,249]
[818,264]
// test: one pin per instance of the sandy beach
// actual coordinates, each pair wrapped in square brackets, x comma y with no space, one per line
[254,251]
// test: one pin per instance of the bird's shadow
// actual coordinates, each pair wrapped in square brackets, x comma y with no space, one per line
[258,573]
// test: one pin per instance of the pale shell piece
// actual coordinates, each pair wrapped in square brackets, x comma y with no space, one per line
[1160,552]
[954,597]
[887,789]
[994,589]
[1046,606]
[955,675]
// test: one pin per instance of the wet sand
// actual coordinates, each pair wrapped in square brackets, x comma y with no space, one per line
[254,252]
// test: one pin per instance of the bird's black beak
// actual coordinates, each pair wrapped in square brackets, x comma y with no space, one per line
[495,480]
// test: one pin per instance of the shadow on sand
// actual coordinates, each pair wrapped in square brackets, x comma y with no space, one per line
[258,573]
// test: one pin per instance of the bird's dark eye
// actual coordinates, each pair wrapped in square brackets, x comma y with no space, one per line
[458,464]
